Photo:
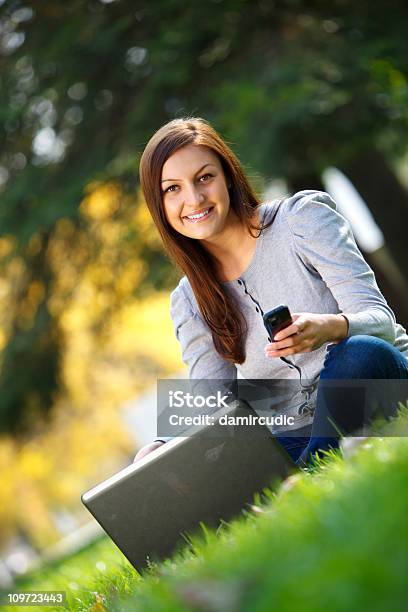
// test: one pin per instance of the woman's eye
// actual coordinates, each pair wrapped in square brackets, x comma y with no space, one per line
[205,176]
[170,189]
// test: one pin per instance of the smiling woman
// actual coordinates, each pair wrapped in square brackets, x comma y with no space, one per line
[197,203]
[241,258]
[186,169]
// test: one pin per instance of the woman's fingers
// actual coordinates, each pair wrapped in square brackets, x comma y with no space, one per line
[288,351]
[289,346]
[146,449]
[295,328]
[277,346]
[293,340]
[302,336]
[290,330]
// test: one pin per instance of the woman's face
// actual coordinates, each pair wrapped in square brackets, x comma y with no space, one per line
[195,194]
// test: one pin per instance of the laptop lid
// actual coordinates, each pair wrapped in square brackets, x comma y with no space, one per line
[206,477]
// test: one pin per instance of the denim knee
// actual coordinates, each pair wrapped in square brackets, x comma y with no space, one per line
[366,357]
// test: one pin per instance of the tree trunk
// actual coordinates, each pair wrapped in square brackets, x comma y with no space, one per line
[304,181]
[386,198]
[392,288]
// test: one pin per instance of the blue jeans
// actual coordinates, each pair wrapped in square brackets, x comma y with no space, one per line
[357,357]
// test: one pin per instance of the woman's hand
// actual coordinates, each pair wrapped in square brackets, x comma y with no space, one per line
[146,449]
[307,333]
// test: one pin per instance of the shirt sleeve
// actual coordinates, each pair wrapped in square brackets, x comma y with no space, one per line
[325,241]
[197,347]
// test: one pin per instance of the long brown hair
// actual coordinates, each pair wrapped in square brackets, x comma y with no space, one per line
[217,306]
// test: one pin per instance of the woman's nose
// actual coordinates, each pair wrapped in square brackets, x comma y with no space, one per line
[194,197]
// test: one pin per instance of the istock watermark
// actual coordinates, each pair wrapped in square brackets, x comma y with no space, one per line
[286,407]
[180,399]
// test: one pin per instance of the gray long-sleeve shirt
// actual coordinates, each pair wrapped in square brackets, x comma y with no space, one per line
[308,260]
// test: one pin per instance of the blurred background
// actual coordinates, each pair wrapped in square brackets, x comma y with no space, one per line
[308,94]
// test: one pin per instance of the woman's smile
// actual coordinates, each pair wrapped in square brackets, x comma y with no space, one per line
[199,217]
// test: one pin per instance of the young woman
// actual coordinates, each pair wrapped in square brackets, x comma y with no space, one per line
[241,258]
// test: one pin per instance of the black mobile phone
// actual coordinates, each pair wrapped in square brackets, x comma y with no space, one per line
[276,319]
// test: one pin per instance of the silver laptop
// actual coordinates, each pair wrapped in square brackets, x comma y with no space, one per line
[149,507]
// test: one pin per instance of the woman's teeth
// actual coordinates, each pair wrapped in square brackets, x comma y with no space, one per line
[199,215]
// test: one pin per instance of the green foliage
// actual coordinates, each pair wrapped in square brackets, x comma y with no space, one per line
[104,76]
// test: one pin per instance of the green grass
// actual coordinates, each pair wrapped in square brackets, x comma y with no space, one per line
[77,574]
[338,541]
